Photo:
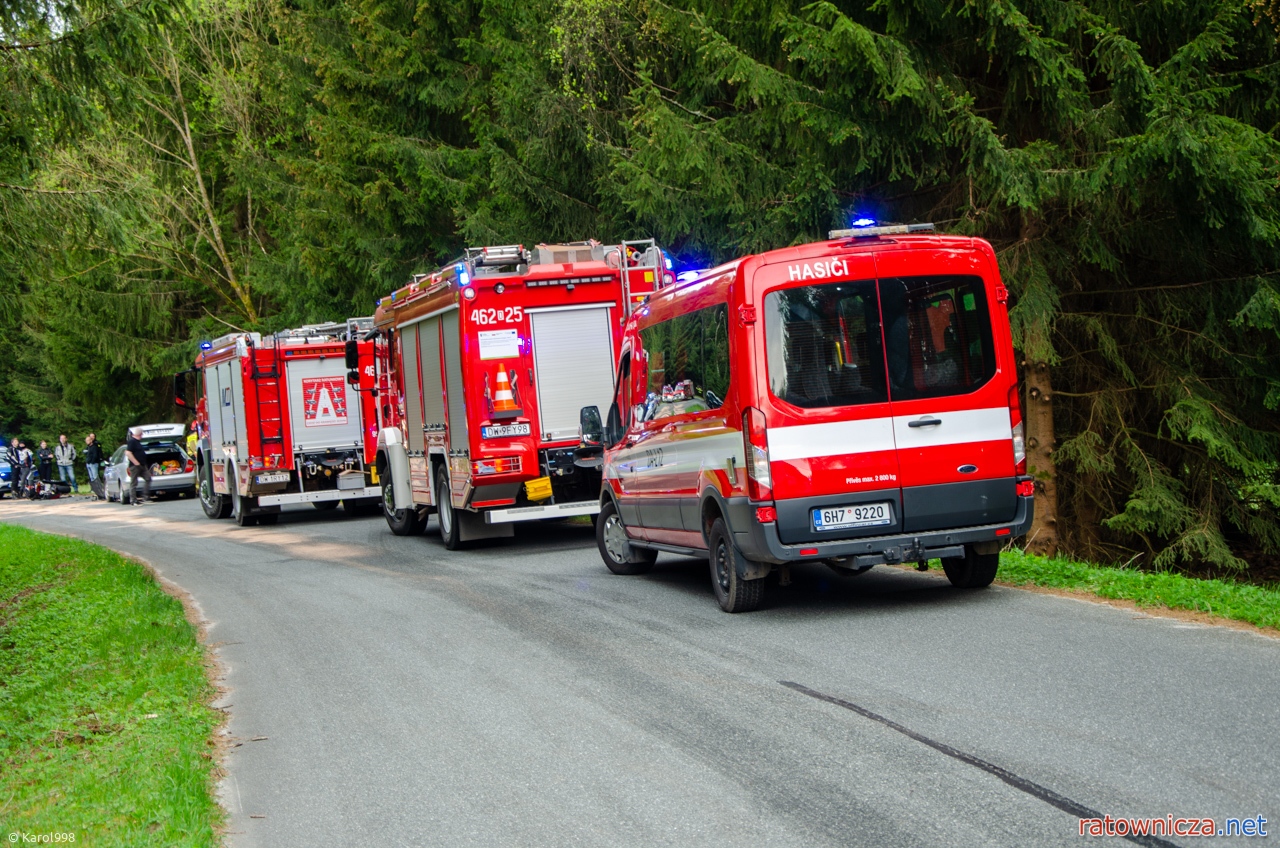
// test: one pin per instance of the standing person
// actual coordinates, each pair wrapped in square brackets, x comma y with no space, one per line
[139,466]
[15,471]
[65,454]
[93,462]
[25,467]
[45,457]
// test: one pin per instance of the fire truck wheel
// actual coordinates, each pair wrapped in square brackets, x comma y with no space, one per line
[973,570]
[449,531]
[732,592]
[403,522]
[213,504]
[616,549]
[240,511]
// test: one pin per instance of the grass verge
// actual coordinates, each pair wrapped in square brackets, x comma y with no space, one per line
[1252,604]
[105,727]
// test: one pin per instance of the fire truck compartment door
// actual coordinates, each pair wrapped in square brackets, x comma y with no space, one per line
[412,393]
[433,414]
[324,411]
[455,399]
[573,361]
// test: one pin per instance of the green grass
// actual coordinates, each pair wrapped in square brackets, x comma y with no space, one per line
[1257,605]
[105,728]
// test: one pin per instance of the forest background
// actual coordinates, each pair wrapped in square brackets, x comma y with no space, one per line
[169,170]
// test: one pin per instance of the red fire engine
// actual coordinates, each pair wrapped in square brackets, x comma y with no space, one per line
[482,369]
[284,419]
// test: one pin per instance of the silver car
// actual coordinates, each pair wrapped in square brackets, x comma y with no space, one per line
[172,471]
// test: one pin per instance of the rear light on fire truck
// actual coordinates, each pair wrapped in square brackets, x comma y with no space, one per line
[1019,432]
[501,465]
[756,443]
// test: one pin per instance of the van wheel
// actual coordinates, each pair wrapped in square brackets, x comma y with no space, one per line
[973,570]
[733,593]
[213,504]
[449,531]
[616,549]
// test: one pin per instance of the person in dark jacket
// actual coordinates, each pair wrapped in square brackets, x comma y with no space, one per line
[139,466]
[45,458]
[93,461]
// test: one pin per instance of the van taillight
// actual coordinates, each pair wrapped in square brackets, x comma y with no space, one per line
[1019,432]
[756,442]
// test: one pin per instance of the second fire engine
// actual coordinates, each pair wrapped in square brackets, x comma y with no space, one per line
[483,368]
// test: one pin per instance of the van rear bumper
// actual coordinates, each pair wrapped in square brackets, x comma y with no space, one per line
[760,542]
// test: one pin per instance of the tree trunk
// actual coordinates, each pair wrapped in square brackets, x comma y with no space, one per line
[1043,538]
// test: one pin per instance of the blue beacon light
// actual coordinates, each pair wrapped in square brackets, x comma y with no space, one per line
[859,223]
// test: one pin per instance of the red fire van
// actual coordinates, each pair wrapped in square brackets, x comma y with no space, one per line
[850,402]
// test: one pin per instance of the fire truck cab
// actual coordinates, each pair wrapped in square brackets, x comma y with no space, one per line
[482,369]
[283,419]
[849,402]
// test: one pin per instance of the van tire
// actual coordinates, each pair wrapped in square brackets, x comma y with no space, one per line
[450,532]
[618,553]
[973,570]
[733,593]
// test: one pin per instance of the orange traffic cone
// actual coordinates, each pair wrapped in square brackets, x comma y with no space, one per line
[503,400]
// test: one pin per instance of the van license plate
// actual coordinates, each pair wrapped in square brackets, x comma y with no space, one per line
[859,515]
[265,479]
[503,431]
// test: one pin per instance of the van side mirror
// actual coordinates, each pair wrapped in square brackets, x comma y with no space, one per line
[180,390]
[353,356]
[590,427]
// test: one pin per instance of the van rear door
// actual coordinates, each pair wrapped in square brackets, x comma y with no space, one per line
[833,460]
[949,387]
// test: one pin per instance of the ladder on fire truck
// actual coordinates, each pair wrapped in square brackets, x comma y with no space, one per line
[266,396]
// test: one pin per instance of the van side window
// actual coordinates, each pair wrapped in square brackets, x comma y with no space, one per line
[687,359]
[824,346]
[938,335]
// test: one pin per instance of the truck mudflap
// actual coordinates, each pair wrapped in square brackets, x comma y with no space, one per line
[534,513]
[760,542]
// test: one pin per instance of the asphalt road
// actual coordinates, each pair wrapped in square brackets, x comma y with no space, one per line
[520,694]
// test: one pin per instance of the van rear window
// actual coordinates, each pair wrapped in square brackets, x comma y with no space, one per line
[827,343]
[824,345]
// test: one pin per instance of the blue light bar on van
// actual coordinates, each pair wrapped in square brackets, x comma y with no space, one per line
[892,230]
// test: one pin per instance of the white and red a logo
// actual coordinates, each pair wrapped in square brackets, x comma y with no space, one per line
[324,401]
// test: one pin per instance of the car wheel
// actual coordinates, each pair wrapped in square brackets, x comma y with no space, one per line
[213,504]
[403,522]
[125,498]
[732,592]
[973,570]
[616,549]
[449,532]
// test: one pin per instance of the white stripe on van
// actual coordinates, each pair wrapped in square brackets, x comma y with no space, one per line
[868,435]
[837,438]
[957,428]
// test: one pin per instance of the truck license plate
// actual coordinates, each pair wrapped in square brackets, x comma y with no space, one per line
[858,515]
[264,479]
[503,431]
